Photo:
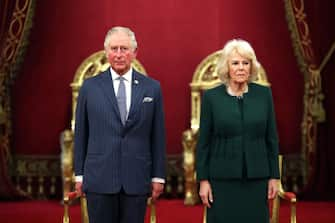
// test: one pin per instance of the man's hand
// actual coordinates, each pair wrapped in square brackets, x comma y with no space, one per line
[157,189]
[205,193]
[272,188]
[79,188]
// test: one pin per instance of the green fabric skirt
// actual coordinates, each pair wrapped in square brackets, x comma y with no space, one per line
[239,201]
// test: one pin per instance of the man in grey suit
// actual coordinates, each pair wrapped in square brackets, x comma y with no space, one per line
[119,136]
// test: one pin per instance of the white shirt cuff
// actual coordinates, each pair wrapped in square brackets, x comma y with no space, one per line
[158,180]
[79,178]
[155,179]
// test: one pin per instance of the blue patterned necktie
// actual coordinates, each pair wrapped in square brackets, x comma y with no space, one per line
[121,100]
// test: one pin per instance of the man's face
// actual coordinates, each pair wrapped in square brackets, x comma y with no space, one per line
[120,53]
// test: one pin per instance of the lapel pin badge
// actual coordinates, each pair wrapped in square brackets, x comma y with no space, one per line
[136,81]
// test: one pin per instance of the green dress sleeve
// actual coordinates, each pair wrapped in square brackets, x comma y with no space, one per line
[272,139]
[204,140]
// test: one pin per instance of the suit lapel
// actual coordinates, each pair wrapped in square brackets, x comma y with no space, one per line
[137,91]
[107,86]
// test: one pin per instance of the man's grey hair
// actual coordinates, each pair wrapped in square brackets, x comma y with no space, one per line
[125,30]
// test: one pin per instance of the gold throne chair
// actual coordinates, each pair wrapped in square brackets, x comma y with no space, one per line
[91,66]
[206,77]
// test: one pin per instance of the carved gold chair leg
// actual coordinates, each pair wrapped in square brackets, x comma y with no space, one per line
[275,210]
[204,220]
[191,188]
[152,211]
[285,196]
[66,218]
[291,198]
[293,212]
[84,213]
[66,202]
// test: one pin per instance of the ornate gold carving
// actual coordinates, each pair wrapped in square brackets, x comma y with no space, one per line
[36,165]
[36,175]
[189,144]
[12,50]
[314,112]
[316,96]
[3,117]
[66,142]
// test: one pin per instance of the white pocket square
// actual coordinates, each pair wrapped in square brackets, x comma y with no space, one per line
[147,99]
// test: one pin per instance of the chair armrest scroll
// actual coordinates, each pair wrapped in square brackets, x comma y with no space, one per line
[289,196]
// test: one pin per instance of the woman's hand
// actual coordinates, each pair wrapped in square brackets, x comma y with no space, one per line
[205,193]
[272,188]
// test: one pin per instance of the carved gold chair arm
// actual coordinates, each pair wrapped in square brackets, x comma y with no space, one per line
[70,197]
[189,141]
[285,196]
[290,197]
[66,142]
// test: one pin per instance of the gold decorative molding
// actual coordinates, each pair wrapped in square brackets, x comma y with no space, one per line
[314,112]
[36,165]
[12,53]
[12,50]
[36,175]
[40,176]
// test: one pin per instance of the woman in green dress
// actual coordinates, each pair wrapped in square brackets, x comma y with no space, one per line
[237,150]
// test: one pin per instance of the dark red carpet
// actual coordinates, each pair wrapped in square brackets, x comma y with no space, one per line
[168,211]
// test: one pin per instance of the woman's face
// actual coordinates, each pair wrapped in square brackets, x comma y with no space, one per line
[239,68]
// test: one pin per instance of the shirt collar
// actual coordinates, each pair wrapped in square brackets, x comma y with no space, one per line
[127,76]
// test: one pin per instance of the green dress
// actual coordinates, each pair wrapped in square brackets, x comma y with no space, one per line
[237,152]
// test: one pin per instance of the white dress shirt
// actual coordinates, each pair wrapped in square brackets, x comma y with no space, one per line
[127,82]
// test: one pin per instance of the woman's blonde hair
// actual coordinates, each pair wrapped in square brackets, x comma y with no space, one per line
[244,49]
